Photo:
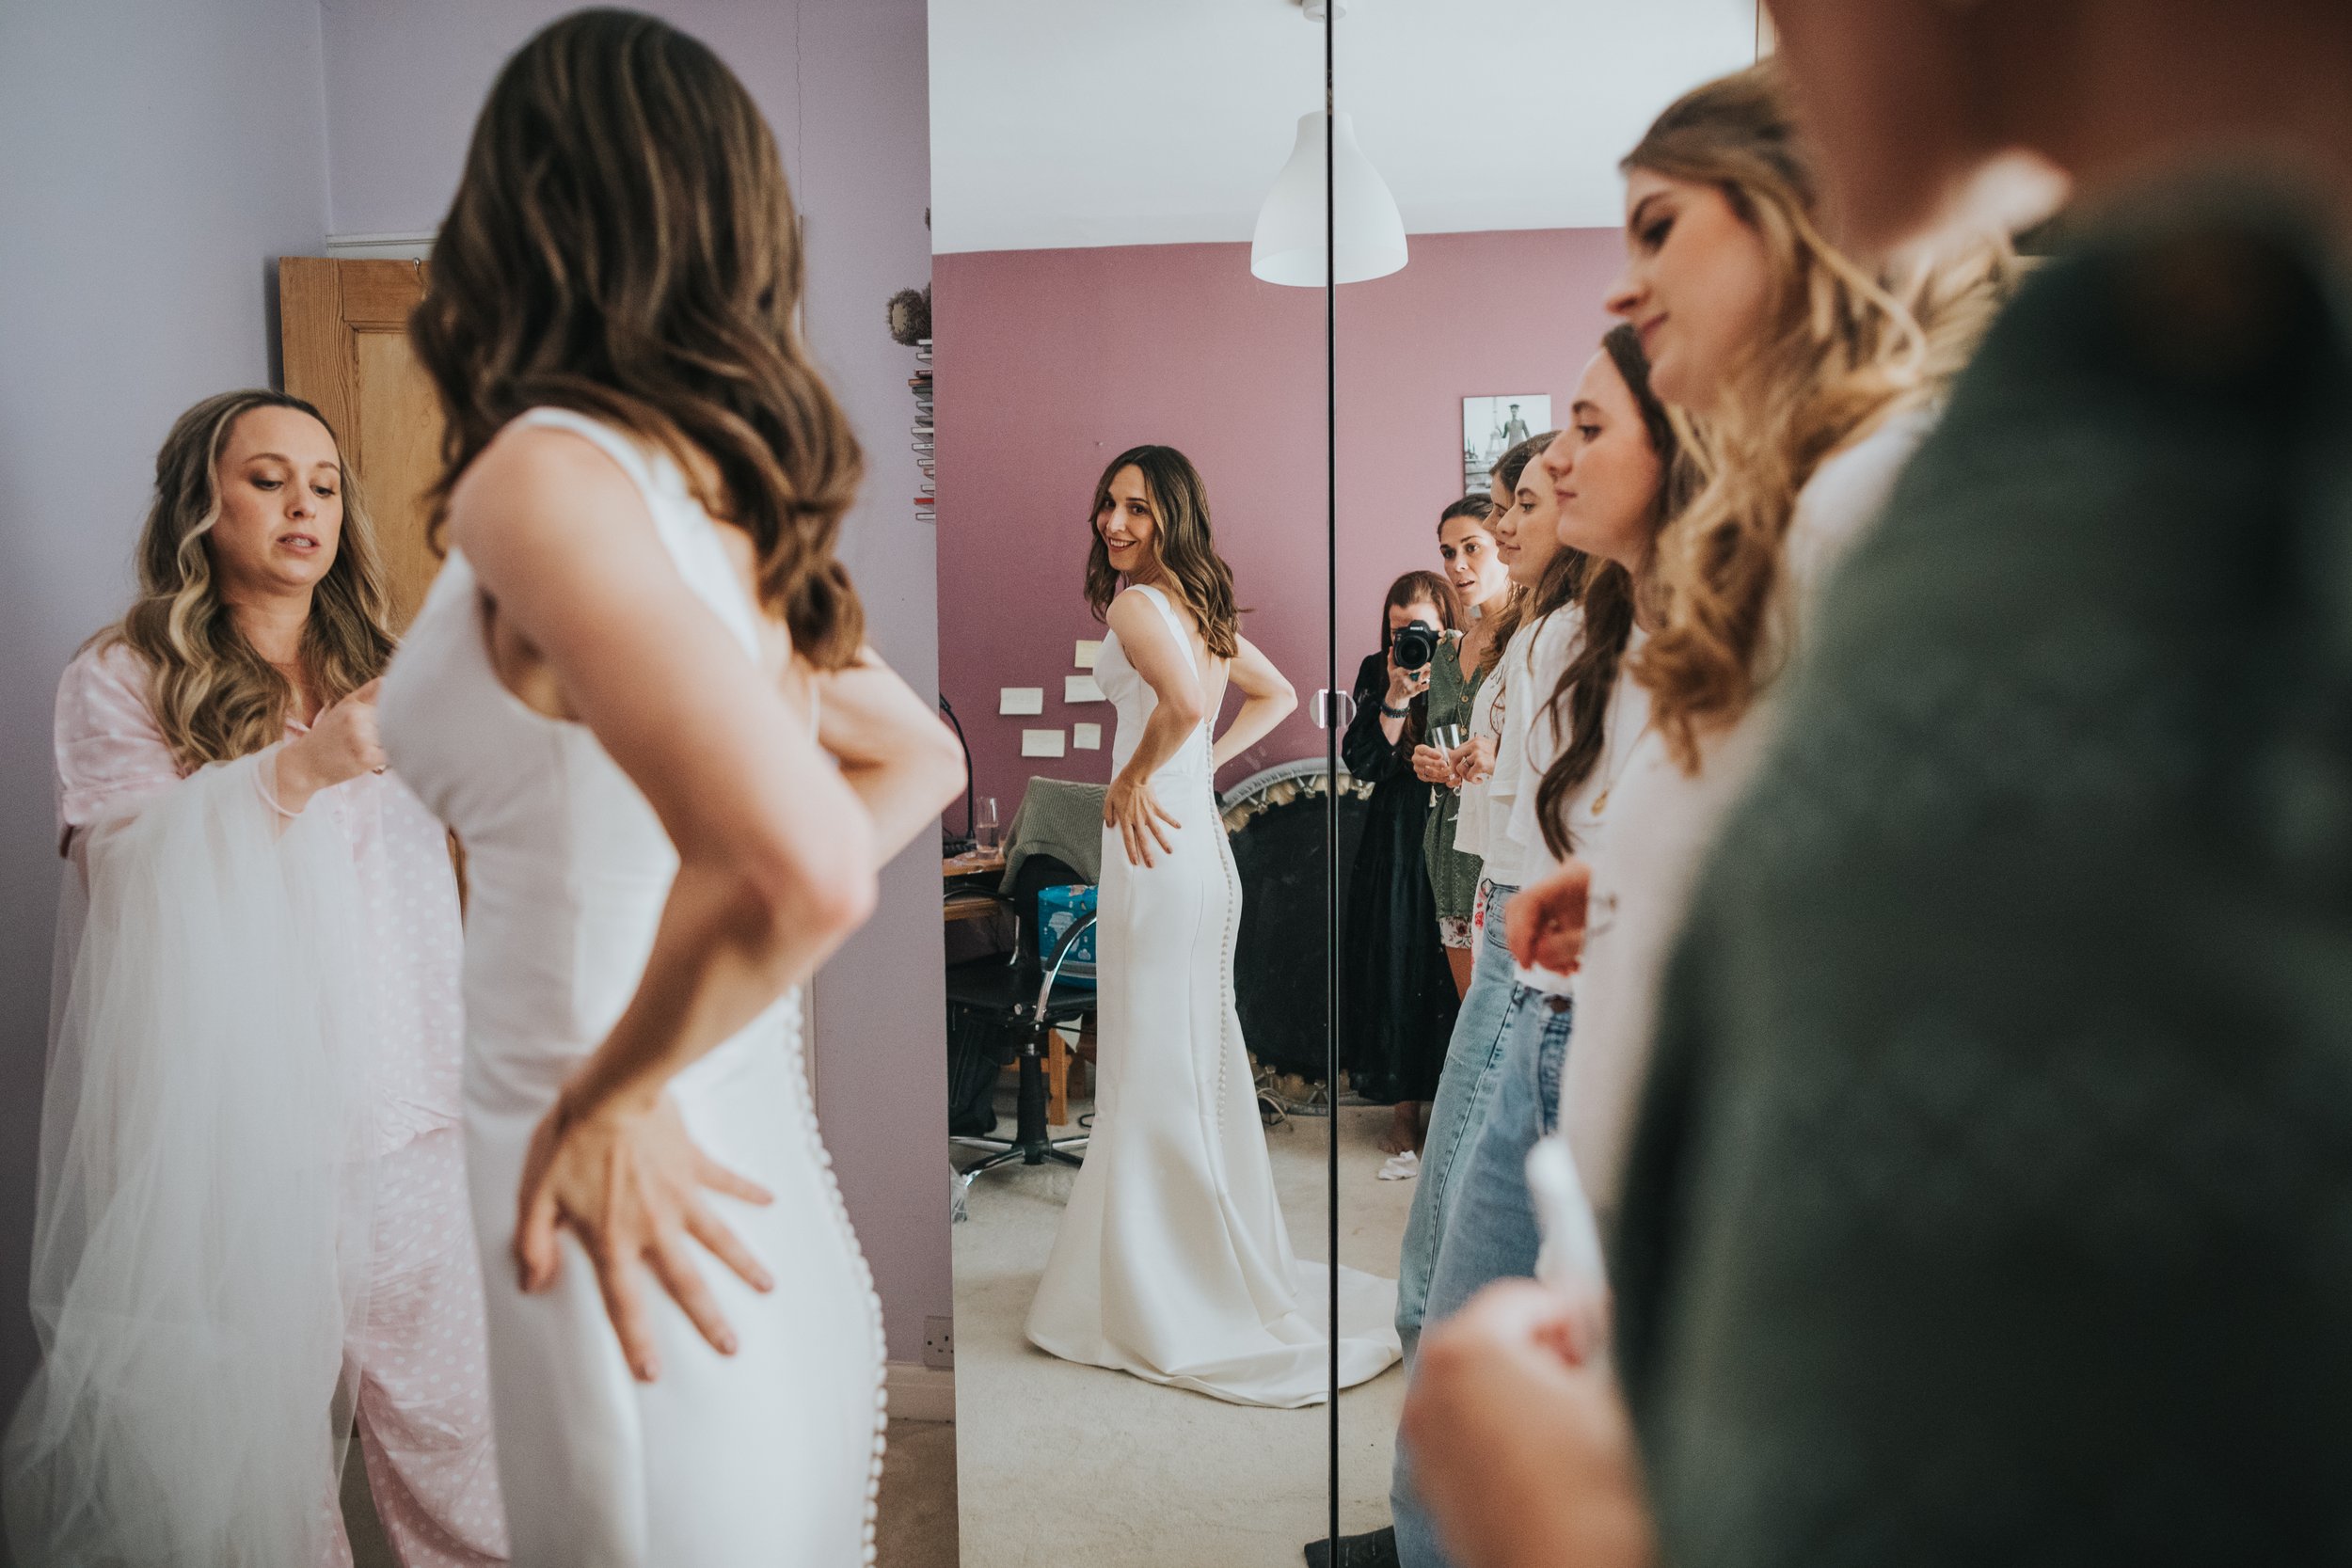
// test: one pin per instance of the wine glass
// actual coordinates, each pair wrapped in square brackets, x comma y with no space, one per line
[1445,737]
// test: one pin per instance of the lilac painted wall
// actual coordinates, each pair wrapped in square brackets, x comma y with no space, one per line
[155,159]
[1052,362]
[846,88]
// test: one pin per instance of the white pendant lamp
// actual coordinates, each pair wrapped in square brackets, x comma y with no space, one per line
[1289,244]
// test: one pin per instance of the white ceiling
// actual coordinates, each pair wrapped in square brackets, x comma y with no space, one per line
[1089,122]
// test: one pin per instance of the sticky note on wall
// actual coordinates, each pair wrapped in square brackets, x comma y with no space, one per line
[1087,653]
[1086,737]
[1021,699]
[1081,688]
[1041,743]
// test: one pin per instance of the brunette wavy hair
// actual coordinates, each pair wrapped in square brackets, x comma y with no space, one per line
[623,244]
[1558,580]
[1180,544]
[215,697]
[1579,706]
[1417,588]
[1410,589]
[1479,507]
[1840,349]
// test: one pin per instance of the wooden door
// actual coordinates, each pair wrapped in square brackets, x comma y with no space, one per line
[345,332]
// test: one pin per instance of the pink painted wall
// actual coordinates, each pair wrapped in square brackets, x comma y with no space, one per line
[137,274]
[1051,362]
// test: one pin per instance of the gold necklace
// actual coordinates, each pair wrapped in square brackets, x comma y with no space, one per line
[1610,776]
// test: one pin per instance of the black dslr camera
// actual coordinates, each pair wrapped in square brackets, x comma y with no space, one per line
[1414,644]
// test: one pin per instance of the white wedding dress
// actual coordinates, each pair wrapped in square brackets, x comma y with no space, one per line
[1172,1262]
[770,1456]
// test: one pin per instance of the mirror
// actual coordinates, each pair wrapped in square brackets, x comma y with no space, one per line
[1508,187]
[1142,1365]
[1123,246]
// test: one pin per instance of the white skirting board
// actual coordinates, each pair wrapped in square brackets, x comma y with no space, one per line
[920,1393]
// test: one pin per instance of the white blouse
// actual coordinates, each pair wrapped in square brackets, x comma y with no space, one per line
[1665,820]
[1531,667]
[1470,823]
[1625,725]
[1624,722]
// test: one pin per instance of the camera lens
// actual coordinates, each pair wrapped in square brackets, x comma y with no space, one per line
[1413,646]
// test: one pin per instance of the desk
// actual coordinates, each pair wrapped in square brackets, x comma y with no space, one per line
[974,862]
[977,872]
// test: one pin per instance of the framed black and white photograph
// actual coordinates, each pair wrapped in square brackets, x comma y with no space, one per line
[1492,426]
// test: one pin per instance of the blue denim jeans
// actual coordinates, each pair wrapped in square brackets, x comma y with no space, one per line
[1464,1085]
[1490,1230]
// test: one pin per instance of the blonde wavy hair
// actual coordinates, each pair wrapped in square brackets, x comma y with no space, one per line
[215,697]
[1841,348]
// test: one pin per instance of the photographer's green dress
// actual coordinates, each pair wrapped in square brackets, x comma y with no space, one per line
[1453,876]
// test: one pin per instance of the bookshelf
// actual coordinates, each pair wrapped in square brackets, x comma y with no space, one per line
[926,457]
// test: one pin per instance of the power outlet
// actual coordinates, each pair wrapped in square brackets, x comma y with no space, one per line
[939,1343]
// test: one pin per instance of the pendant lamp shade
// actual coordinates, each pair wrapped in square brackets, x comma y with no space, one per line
[1288,246]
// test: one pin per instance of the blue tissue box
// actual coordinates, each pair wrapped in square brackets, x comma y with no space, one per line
[1058,909]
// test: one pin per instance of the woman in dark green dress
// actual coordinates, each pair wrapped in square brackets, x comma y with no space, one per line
[1481,585]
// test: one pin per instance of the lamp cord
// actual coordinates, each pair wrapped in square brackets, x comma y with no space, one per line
[949,708]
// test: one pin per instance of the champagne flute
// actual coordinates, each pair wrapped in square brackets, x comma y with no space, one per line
[1445,737]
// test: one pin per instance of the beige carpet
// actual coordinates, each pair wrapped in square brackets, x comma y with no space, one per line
[917,1526]
[1069,1464]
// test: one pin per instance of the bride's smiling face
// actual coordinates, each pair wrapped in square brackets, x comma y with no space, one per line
[1126,524]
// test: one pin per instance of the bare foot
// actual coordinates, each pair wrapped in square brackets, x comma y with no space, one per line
[1398,1136]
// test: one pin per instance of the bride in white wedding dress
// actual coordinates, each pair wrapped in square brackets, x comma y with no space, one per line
[639,691]
[1174,1261]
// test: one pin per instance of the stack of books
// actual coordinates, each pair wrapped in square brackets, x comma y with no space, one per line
[926,492]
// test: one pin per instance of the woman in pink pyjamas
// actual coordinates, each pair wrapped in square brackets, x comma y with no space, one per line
[253,1231]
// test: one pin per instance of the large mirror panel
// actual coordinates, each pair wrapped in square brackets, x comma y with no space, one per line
[1142,1360]
[1510,202]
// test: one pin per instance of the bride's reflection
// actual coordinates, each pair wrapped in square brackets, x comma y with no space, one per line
[1172,1260]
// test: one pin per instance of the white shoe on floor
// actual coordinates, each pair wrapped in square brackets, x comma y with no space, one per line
[1401,1167]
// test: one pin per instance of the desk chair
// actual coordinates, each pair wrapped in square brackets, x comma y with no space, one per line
[987,998]
[1035,1019]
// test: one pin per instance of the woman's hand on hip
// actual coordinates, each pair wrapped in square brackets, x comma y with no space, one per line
[1545,922]
[1132,808]
[628,1182]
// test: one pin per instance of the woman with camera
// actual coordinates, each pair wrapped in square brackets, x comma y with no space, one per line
[1398,1000]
